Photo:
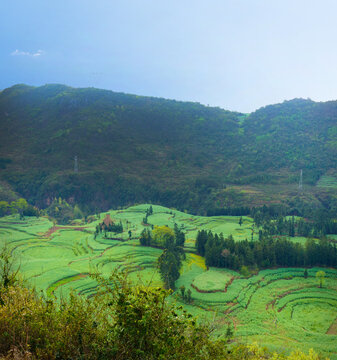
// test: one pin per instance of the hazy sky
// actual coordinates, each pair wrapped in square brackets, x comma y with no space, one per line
[236,54]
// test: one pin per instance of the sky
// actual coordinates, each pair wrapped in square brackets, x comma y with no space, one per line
[235,54]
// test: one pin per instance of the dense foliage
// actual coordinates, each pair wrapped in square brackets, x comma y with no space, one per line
[273,222]
[63,212]
[134,149]
[19,206]
[170,261]
[268,252]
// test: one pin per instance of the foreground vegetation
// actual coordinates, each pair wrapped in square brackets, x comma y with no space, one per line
[122,321]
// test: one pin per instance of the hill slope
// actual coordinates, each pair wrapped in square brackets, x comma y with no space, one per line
[135,149]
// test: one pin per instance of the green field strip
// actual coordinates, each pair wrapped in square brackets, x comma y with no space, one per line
[211,281]
[18,230]
[303,295]
[55,285]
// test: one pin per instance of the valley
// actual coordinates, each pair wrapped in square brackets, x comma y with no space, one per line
[283,308]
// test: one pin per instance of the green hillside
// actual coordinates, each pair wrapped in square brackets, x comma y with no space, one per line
[134,149]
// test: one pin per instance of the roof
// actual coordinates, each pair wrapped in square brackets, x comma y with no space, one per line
[107,220]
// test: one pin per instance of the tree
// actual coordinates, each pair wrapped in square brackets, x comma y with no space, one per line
[8,269]
[201,241]
[182,290]
[162,235]
[240,220]
[320,275]
[4,208]
[169,264]
[18,206]
[244,271]
[305,274]
[189,296]
[179,235]
[145,238]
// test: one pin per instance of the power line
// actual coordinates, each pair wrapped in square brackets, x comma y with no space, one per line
[76,165]
[300,185]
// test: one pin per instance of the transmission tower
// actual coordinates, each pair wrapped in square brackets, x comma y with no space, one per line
[300,185]
[76,165]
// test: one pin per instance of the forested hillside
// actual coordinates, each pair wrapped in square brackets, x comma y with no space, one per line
[140,149]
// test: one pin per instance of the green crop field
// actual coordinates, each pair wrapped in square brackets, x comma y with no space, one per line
[278,308]
[327,181]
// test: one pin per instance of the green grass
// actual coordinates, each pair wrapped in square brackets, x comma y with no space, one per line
[327,181]
[277,307]
[212,280]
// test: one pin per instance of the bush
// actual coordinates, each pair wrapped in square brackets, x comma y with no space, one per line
[121,322]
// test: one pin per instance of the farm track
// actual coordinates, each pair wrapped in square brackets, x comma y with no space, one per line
[333,328]
[214,291]
[56,228]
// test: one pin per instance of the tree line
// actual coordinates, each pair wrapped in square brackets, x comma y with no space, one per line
[276,223]
[266,253]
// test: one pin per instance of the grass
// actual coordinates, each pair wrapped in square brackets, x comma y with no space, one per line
[212,280]
[277,307]
[327,181]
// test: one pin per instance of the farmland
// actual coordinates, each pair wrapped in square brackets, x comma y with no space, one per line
[279,308]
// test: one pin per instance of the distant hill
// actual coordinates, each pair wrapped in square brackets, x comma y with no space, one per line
[141,149]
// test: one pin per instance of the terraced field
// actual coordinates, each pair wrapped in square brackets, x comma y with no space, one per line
[59,258]
[278,308]
[327,181]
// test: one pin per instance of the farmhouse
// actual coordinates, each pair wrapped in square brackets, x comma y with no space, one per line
[107,222]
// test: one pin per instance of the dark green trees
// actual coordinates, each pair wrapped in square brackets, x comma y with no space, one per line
[268,252]
[169,264]
[145,238]
[170,261]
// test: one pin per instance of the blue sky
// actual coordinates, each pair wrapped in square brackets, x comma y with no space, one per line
[236,54]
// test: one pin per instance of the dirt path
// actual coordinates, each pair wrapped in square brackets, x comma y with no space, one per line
[56,228]
[214,291]
[333,328]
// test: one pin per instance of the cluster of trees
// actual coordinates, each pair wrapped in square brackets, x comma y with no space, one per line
[149,211]
[274,222]
[186,295]
[170,261]
[116,228]
[268,252]
[161,236]
[19,206]
[112,227]
[63,212]
[229,211]
[300,227]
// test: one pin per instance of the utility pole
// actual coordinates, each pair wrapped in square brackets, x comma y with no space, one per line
[300,185]
[76,165]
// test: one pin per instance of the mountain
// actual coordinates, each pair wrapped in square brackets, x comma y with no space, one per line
[142,149]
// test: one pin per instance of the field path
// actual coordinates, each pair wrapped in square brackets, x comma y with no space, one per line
[333,328]
[56,228]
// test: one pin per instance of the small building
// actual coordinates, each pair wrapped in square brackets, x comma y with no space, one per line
[107,222]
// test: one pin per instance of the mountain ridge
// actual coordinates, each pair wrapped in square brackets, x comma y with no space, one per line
[136,148]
